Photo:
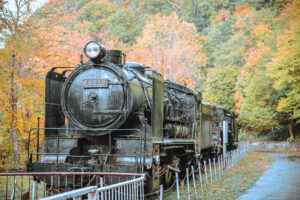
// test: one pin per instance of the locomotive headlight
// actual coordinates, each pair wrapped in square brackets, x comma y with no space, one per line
[94,49]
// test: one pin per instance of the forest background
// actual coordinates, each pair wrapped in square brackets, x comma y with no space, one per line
[244,56]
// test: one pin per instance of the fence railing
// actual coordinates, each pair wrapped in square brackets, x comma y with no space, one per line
[43,184]
[209,172]
[91,193]
[127,190]
[213,171]
[132,189]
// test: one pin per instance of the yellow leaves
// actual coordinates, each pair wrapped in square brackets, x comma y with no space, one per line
[221,17]
[290,13]
[243,10]
[238,96]
[171,46]
[262,31]
[286,63]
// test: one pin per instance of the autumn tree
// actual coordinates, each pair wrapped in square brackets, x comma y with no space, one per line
[257,112]
[220,87]
[13,20]
[285,67]
[33,46]
[255,98]
[172,47]
[119,20]
[226,46]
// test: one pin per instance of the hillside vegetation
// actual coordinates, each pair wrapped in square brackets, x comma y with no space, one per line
[244,56]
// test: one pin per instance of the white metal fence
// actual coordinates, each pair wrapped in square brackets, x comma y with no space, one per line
[127,190]
[213,171]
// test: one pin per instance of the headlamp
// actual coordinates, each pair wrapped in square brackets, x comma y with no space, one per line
[94,50]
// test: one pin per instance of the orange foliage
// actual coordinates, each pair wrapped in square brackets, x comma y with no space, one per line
[171,47]
[243,10]
[243,16]
[221,17]
[261,30]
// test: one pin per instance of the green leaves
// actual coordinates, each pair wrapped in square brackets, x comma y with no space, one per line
[258,110]
[264,50]
[285,68]
[220,87]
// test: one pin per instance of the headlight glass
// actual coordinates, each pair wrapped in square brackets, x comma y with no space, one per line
[92,50]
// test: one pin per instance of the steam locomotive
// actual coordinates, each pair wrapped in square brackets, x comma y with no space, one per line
[111,115]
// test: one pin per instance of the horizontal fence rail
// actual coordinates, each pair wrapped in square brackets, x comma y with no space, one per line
[132,189]
[39,185]
[76,194]
[127,190]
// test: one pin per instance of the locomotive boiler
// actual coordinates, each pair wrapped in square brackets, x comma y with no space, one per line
[109,115]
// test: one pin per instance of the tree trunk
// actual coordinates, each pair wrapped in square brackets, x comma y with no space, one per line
[291,128]
[14,111]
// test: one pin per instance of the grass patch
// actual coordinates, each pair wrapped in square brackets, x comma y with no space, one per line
[236,181]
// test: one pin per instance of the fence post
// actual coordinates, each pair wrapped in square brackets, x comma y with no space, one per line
[33,190]
[206,181]
[219,164]
[215,170]
[13,190]
[233,157]
[222,165]
[101,185]
[200,176]
[228,161]
[177,186]
[51,188]
[194,182]
[225,162]
[211,181]
[188,183]
[161,197]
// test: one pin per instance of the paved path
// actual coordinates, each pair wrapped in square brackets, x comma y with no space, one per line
[280,182]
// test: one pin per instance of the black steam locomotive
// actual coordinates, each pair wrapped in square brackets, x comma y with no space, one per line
[124,117]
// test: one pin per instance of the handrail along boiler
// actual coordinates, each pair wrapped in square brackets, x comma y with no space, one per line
[124,117]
